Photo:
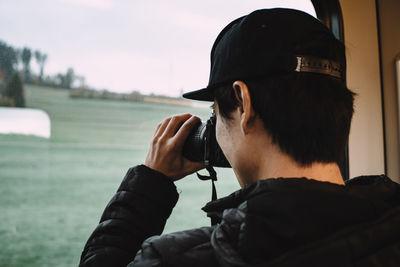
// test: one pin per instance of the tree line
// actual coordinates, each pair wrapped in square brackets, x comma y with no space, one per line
[15,71]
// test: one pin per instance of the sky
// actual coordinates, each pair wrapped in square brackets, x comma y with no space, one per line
[152,46]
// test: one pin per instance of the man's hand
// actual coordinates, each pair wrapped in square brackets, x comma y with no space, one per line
[165,153]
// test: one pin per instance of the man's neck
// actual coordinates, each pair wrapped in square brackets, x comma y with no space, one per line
[275,164]
[324,172]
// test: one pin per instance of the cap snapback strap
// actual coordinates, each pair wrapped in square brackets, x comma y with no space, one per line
[319,65]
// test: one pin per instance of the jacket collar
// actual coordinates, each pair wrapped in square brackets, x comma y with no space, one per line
[372,187]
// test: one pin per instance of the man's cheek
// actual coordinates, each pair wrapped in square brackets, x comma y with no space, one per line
[219,134]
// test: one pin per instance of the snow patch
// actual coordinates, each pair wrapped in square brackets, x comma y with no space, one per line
[24,121]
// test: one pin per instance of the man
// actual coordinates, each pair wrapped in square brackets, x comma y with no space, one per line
[283,116]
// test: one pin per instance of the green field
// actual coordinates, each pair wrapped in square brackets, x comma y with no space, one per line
[53,191]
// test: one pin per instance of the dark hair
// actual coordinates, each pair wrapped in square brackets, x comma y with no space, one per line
[307,115]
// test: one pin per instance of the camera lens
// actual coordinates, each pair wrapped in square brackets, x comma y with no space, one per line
[202,140]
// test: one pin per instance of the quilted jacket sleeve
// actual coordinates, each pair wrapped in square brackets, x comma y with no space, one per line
[137,211]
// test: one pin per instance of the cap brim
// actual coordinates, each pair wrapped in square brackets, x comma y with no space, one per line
[204,94]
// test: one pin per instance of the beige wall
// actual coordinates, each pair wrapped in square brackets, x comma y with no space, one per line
[389,11]
[366,149]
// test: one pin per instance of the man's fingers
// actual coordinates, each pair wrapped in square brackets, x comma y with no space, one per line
[185,129]
[161,127]
[156,131]
[165,151]
[174,124]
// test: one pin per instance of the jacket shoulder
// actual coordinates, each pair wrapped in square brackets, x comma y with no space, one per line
[373,243]
[185,248]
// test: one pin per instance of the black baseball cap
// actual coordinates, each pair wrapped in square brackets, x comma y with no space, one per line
[271,42]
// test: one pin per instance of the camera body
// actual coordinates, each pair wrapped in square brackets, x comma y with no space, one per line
[202,145]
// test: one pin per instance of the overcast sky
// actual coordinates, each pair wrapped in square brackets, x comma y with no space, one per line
[160,47]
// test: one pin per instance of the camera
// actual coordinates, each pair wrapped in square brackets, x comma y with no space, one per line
[202,145]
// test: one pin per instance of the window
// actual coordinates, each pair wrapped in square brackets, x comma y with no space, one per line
[54,189]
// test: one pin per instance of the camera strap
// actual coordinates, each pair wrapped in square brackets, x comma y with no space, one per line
[213,177]
[212,173]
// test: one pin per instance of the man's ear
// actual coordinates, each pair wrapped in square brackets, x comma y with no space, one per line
[243,97]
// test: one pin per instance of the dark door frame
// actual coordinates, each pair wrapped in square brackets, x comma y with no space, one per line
[330,13]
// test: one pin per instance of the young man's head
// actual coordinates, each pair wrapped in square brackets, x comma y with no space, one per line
[306,115]
[293,69]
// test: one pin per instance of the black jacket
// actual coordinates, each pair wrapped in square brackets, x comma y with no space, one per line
[274,222]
